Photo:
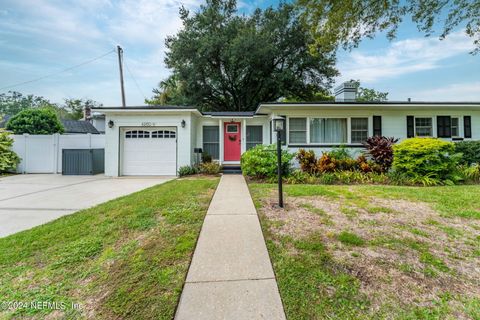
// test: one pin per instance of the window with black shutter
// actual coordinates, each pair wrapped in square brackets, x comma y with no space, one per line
[444,127]
[467,126]
[377,126]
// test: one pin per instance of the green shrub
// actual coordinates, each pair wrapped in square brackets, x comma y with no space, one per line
[470,151]
[210,168]
[187,170]
[340,153]
[206,157]
[347,164]
[8,159]
[300,177]
[427,160]
[35,121]
[261,162]
[327,178]
[470,173]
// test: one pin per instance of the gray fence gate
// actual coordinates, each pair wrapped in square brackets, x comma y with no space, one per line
[83,161]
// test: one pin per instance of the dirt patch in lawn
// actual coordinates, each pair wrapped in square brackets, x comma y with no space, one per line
[410,255]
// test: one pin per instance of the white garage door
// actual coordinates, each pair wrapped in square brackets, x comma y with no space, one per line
[149,152]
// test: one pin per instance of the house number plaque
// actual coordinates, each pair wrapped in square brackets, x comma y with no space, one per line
[148,124]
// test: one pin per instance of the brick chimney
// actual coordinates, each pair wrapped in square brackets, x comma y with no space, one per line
[346,92]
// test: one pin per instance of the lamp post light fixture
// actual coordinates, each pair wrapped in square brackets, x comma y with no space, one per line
[279,127]
[110,124]
[183,123]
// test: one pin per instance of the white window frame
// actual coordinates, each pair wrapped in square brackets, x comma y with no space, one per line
[307,126]
[458,135]
[351,130]
[432,126]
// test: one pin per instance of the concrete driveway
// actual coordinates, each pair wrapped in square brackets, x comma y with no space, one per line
[33,199]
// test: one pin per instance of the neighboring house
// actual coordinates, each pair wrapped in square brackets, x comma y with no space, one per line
[78,126]
[158,140]
[97,119]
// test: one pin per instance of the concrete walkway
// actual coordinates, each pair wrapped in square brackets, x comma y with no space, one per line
[231,276]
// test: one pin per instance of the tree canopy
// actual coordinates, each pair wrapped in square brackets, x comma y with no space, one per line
[369,95]
[13,102]
[35,121]
[347,22]
[225,61]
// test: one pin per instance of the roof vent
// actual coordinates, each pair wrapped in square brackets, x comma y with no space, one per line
[346,92]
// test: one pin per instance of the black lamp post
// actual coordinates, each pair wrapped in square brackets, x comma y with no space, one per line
[279,127]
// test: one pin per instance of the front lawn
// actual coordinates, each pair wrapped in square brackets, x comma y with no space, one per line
[374,252]
[125,259]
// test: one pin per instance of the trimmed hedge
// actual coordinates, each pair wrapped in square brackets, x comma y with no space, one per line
[8,159]
[261,162]
[470,151]
[425,158]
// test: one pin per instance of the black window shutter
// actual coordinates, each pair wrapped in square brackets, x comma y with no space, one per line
[271,131]
[377,126]
[410,127]
[467,126]
[444,127]
[284,131]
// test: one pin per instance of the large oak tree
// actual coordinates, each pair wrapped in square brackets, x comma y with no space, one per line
[224,61]
[347,22]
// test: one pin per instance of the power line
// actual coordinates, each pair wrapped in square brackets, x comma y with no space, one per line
[58,72]
[134,80]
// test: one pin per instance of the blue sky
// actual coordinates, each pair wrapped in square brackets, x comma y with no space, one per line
[39,37]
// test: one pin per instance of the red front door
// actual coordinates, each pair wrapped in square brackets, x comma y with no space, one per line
[231,141]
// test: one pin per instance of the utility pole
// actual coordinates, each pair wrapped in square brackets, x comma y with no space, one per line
[120,66]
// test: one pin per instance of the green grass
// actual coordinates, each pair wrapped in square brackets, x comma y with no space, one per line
[314,284]
[125,259]
[461,201]
[351,239]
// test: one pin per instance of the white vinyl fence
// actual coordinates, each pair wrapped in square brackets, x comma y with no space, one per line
[43,153]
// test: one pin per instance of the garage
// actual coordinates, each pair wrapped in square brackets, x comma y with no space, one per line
[149,151]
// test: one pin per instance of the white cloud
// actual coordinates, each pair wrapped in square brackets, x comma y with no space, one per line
[466,91]
[403,57]
[40,37]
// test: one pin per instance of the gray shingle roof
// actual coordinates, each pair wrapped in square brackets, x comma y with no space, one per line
[79,126]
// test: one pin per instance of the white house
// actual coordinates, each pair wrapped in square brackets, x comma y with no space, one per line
[157,140]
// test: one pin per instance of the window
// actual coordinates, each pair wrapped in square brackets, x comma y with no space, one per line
[254,136]
[211,142]
[297,130]
[359,129]
[455,128]
[232,128]
[137,134]
[163,134]
[328,130]
[423,127]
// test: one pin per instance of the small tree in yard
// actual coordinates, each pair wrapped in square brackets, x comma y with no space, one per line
[8,158]
[35,121]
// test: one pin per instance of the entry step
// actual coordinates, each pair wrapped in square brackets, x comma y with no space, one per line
[232,169]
